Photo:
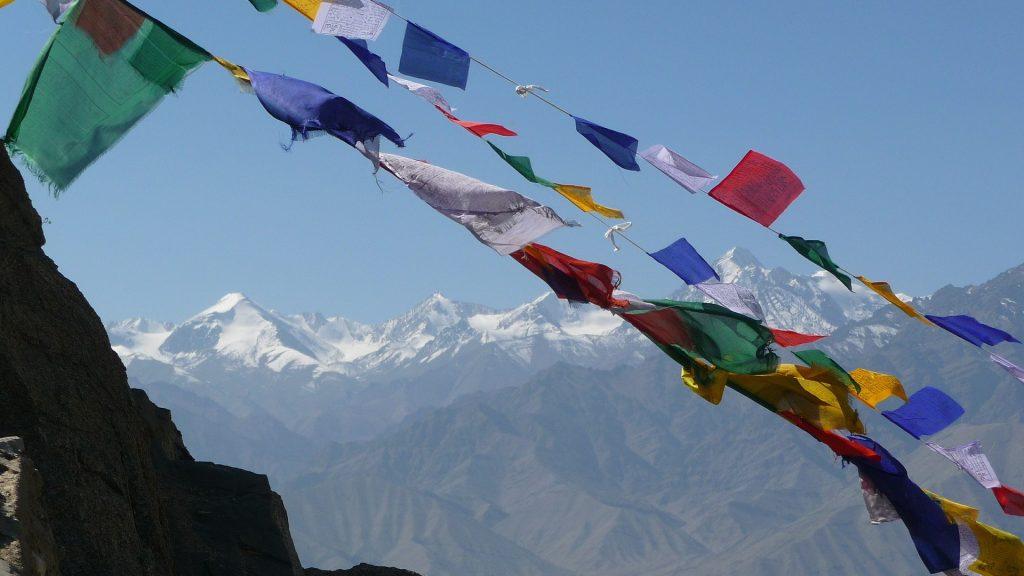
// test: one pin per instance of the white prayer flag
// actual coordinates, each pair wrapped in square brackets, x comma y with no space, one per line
[736,298]
[685,173]
[972,460]
[355,19]
[429,94]
[880,509]
[1014,370]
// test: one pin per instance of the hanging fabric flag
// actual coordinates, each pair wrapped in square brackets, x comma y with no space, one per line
[239,73]
[571,279]
[522,165]
[1014,370]
[880,510]
[629,302]
[801,390]
[480,129]
[683,260]
[734,297]
[618,147]
[1011,500]
[885,291]
[876,387]
[819,360]
[504,220]
[373,62]
[759,187]
[971,330]
[262,5]
[840,445]
[106,67]
[788,338]
[5,3]
[688,331]
[817,252]
[428,56]
[429,94]
[928,411]
[57,8]
[307,8]
[988,551]
[355,19]
[971,460]
[682,171]
[310,110]
[936,538]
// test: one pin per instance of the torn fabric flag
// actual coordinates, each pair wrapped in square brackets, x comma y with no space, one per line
[817,252]
[876,387]
[971,460]
[880,510]
[885,291]
[618,147]
[429,94]
[840,445]
[971,330]
[570,278]
[1011,368]
[679,169]
[929,411]
[582,198]
[819,360]
[502,219]
[106,67]
[734,297]
[1010,499]
[310,110]
[480,129]
[262,5]
[682,259]
[759,187]
[428,56]
[822,402]
[521,164]
[983,549]
[373,62]
[788,338]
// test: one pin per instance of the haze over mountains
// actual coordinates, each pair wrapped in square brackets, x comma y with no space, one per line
[552,439]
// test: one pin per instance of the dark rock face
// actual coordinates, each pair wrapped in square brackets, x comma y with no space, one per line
[361,570]
[120,492]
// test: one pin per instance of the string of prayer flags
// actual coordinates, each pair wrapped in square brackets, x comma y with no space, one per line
[885,291]
[971,330]
[734,297]
[1010,499]
[106,66]
[817,252]
[876,387]
[373,62]
[840,445]
[261,5]
[759,187]
[353,19]
[679,169]
[618,147]
[927,412]
[431,95]
[788,338]
[682,259]
[502,219]
[427,56]
[572,279]
[1011,368]
[984,549]
[821,361]
[971,460]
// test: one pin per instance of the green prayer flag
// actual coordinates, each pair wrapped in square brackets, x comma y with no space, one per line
[688,331]
[106,67]
[817,252]
[263,5]
[522,165]
[818,359]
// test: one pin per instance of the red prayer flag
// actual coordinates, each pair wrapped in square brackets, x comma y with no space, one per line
[788,338]
[481,129]
[571,279]
[839,444]
[1010,499]
[759,188]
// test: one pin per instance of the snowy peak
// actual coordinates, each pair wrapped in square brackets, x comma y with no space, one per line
[738,264]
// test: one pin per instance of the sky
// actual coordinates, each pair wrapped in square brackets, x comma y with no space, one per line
[903,120]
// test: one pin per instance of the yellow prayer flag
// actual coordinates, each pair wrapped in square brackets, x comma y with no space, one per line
[237,71]
[5,3]
[708,384]
[582,198]
[999,553]
[885,291]
[308,8]
[876,387]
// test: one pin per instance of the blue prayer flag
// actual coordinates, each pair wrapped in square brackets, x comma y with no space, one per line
[310,109]
[928,411]
[428,56]
[373,62]
[682,259]
[971,330]
[619,147]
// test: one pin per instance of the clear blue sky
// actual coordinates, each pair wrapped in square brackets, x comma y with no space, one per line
[903,119]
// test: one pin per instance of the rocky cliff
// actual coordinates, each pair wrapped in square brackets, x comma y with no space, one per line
[94,478]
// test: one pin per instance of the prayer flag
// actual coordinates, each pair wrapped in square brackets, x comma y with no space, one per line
[971,330]
[480,129]
[5,3]
[57,8]
[821,361]
[429,94]
[759,187]
[682,171]
[582,198]
[618,147]
[885,291]
[683,260]
[572,279]
[263,5]
[880,510]
[817,252]
[307,8]
[983,549]
[876,387]
[971,460]
[310,110]
[839,444]
[106,67]
[823,402]
[373,62]
[1014,370]
[502,219]
[788,338]
[734,297]
[522,165]
[928,411]
[428,56]
[355,19]
[1010,499]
